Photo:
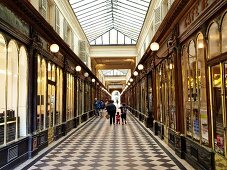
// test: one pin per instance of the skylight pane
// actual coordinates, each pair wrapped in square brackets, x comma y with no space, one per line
[98,16]
[106,38]
[92,43]
[113,36]
[127,40]
[99,41]
[120,38]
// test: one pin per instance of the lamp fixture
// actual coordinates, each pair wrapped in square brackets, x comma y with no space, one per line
[140,67]
[135,73]
[129,83]
[131,80]
[93,80]
[78,68]
[86,74]
[154,46]
[54,48]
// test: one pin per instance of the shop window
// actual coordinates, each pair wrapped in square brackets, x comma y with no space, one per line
[41,93]
[194,90]
[201,81]
[13,75]
[70,97]
[214,40]
[224,34]
[158,86]
[59,97]
[2,90]
[217,108]
[22,109]
[12,90]
[171,95]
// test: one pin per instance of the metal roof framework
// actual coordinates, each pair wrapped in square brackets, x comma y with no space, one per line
[97,17]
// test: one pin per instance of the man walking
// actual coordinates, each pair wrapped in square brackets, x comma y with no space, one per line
[111,109]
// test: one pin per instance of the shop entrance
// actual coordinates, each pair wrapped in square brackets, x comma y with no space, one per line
[218,87]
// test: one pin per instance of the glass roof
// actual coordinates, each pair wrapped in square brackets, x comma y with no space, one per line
[119,72]
[97,17]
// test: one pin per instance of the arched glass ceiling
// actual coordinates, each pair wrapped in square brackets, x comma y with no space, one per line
[100,16]
[119,72]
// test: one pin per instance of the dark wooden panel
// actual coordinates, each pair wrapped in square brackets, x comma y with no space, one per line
[199,156]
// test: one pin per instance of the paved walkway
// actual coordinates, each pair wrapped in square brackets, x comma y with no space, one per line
[99,145]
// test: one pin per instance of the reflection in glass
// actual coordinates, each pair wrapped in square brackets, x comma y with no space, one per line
[217,108]
[70,97]
[201,81]
[12,92]
[224,34]
[2,90]
[41,93]
[214,41]
[22,109]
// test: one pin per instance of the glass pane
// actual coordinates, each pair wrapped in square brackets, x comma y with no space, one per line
[99,41]
[49,72]
[113,36]
[127,40]
[201,78]
[58,117]
[22,110]
[214,41]
[217,109]
[12,92]
[172,105]
[224,34]
[2,88]
[120,38]
[105,38]
[51,106]
[53,73]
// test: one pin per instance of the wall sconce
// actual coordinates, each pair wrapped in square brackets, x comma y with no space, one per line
[170,66]
[154,46]
[135,73]
[131,80]
[54,48]
[200,45]
[78,68]
[140,67]
[86,74]
[93,80]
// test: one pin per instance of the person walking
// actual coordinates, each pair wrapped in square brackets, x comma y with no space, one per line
[123,113]
[111,109]
[96,107]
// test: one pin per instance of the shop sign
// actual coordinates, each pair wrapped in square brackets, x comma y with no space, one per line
[193,13]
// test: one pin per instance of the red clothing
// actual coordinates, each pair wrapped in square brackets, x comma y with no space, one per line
[118,119]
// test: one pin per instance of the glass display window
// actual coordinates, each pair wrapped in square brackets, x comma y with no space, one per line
[214,40]
[194,90]
[59,97]
[217,108]
[41,93]
[70,97]
[13,75]
[171,95]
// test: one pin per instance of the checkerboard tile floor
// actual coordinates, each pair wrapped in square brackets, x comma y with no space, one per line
[99,145]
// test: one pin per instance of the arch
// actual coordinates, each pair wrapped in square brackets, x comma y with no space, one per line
[224,33]
[213,40]
[115,96]
[23,91]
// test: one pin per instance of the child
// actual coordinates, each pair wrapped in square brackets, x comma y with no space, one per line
[118,118]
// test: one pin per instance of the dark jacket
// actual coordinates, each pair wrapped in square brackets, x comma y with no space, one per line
[111,108]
